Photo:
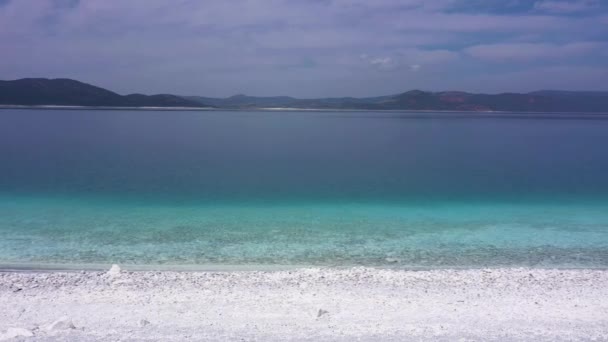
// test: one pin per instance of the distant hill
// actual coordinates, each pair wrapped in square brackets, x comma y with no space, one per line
[540,101]
[243,101]
[67,92]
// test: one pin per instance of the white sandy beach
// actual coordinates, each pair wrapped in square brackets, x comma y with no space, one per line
[306,304]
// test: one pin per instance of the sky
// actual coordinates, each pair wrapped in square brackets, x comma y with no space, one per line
[308,48]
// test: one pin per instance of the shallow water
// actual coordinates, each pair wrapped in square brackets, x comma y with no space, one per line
[293,188]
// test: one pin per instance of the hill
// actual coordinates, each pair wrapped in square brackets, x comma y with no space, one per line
[67,92]
[540,101]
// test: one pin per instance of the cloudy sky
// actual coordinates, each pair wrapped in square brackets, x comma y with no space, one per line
[308,48]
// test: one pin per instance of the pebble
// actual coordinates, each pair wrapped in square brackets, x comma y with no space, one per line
[114,271]
[142,323]
[322,312]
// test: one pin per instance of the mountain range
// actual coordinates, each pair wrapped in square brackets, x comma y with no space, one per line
[67,92]
[539,101]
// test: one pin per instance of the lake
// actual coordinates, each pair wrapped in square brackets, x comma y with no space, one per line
[290,188]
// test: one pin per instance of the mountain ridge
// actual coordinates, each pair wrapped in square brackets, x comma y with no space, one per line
[69,92]
[537,101]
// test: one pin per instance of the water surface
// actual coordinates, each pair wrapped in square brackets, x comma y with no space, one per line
[303,188]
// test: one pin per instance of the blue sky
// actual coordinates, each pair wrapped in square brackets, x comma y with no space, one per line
[308,48]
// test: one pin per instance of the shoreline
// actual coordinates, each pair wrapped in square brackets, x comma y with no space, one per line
[204,268]
[481,113]
[308,304]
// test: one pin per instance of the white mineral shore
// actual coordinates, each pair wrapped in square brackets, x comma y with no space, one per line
[327,304]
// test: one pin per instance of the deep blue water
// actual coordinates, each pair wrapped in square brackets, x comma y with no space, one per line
[302,188]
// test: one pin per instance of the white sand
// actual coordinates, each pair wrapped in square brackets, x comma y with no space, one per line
[356,304]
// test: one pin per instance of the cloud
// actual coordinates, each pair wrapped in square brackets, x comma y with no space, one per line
[380,63]
[383,62]
[567,6]
[485,23]
[219,47]
[509,52]
[410,59]
[427,56]
[551,77]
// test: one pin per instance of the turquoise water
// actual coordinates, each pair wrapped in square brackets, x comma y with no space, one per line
[279,188]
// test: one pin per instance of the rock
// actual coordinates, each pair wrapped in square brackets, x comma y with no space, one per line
[142,323]
[32,327]
[15,332]
[64,323]
[392,260]
[322,312]
[114,271]
[16,287]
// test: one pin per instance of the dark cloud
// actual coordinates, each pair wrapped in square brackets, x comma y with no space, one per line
[567,6]
[306,48]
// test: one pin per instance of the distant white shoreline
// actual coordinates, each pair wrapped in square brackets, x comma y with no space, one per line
[290,109]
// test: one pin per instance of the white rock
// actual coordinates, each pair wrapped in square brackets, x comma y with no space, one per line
[64,323]
[392,260]
[15,332]
[114,270]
